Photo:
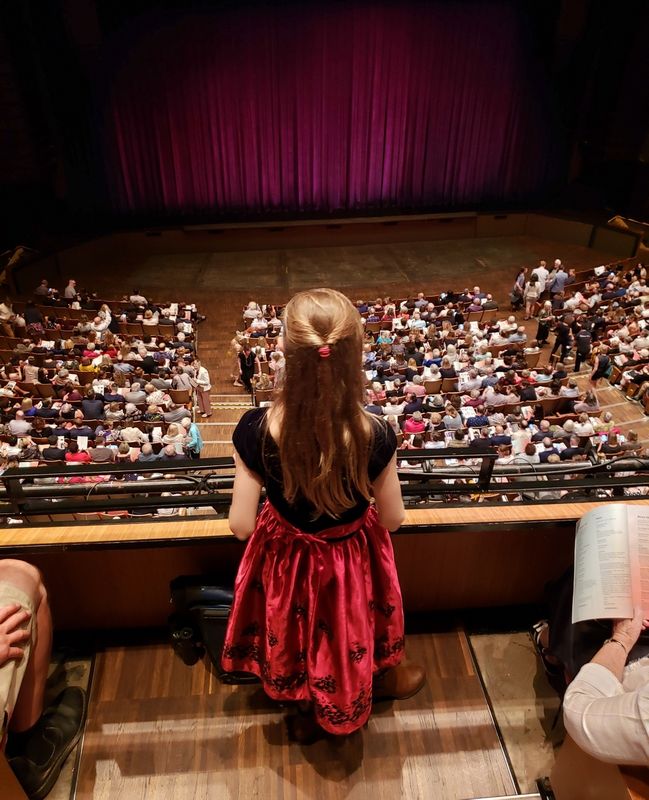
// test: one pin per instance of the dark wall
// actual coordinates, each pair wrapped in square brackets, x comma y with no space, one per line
[602,79]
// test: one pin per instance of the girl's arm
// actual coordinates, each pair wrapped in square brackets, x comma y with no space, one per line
[387,496]
[245,500]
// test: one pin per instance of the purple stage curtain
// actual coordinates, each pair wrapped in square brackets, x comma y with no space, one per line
[338,107]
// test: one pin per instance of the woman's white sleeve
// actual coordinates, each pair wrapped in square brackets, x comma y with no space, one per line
[606,721]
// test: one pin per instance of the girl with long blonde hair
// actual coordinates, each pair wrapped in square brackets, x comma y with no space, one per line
[317,613]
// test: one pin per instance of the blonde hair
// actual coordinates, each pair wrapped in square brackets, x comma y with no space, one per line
[324,439]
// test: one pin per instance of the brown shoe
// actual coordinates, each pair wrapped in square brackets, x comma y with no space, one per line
[398,683]
[303,728]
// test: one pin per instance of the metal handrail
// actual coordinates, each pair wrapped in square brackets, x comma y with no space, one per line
[208,482]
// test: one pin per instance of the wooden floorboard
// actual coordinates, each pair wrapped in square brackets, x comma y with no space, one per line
[158,729]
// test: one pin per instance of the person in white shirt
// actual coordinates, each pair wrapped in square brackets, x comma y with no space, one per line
[393,409]
[497,338]
[606,707]
[251,311]
[6,314]
[494,397]
[572,302]
[542,272]
[203,388]
[138,299]
[259,325]
[19,426]
[508,325]
[583,426]
[150,318]
[595,296]
[471,381]
[99,325]
[416,322]
[521,437]
[570,390]
[70,291]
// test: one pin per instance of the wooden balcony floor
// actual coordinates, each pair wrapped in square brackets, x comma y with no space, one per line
[159,729]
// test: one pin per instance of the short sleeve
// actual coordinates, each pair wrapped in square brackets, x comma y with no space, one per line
[247,439]
[383,447]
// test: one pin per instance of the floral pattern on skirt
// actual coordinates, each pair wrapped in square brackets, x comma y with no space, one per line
[315,616]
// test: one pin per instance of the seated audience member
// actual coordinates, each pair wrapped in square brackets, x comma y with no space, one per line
[605,423]
[114,412]
[29,451]
[589,404]
[583,426]
[135,394]
[394,408]
[133,436]
[632,444]
[501,439]
[81,429]
[393,423]
[19,426]
[548,450]
[36,740]
[413,403]
[76,456]
[152,414]
[570,389]
[606,707]
[451,420]
[176,413]
[372,408]
[169,454]
[529,455]
[147,454]
[100,454]
[414,424]
[53,452]
[611,448]
[573,451]
[126,453]
[92,406]
[479,420]
[46,411]
[176,436]
[131,412]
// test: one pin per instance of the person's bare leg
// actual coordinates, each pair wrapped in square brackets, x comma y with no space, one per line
[29,705]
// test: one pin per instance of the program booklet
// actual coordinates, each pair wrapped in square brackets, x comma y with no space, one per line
[611,563]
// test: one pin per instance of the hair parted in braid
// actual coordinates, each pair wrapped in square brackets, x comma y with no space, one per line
[325,434]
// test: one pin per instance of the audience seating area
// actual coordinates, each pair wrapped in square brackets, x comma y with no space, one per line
[95,384]
[447,370]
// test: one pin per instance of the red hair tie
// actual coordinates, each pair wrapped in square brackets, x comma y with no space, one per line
[324,351]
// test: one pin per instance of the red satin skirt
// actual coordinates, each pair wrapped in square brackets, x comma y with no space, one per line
[315,616]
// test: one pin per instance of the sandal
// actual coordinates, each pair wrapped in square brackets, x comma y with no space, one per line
[554,672]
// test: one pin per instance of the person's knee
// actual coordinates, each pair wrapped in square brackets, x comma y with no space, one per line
[25,577]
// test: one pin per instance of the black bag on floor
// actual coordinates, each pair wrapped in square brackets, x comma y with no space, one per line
[199,621]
